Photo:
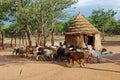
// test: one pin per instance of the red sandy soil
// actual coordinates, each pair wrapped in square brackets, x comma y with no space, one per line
[18,68]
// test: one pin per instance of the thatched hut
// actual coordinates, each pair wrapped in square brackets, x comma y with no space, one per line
[82,33]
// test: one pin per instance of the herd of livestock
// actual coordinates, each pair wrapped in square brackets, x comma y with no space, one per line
[61,53]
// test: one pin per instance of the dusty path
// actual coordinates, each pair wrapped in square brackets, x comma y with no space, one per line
[16,68]
[47,71]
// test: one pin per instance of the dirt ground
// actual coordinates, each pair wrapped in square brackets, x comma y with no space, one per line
[18,68]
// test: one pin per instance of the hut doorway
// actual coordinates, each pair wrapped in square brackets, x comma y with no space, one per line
[90,40]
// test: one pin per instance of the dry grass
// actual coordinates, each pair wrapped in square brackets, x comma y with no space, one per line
[7,41]
[61,39]
[112,38]
[107,38]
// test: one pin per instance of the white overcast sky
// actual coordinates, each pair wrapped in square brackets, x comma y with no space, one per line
[85,7]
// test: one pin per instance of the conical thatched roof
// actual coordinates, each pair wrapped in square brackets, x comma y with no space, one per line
[81,26]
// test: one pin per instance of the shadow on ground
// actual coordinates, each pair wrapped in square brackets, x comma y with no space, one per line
[20,60]
[107,70]
[111,43]
[10,59]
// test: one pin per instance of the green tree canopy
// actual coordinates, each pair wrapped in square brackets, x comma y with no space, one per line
[101,18]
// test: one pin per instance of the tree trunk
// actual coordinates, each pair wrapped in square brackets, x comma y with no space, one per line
[52,34]
[15,39]
[11,44]
[39,37]
[41,32]
[25,38]
[2,40]
[29,37]
[44,41]
[20,40]
[103,34]
[52,38]
[43,35]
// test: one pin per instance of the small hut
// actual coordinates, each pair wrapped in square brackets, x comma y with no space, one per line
[82,33]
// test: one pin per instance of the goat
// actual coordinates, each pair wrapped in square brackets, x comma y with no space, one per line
[78,57]
[45,53]
[20,50]
[62,54]
[97,54]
